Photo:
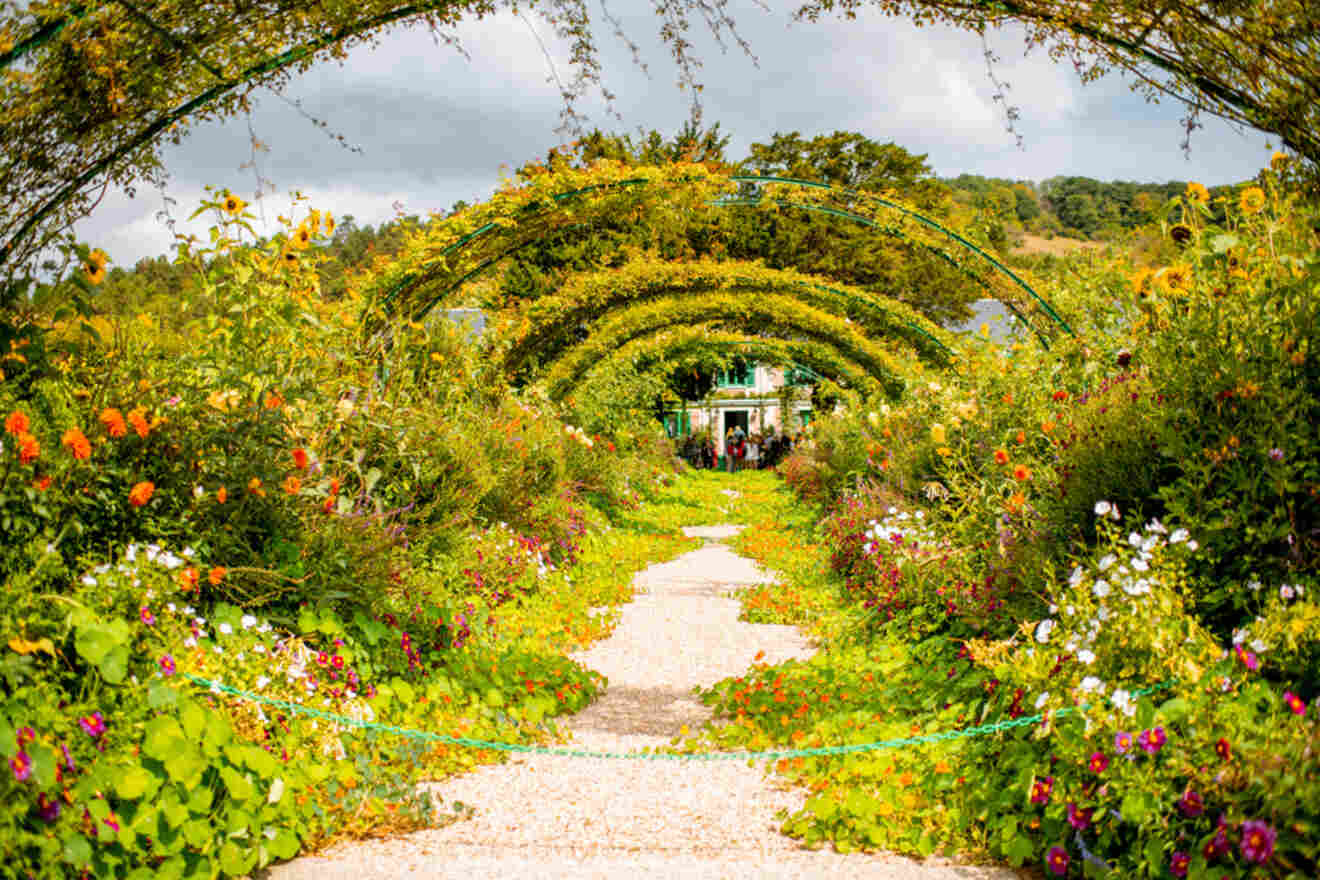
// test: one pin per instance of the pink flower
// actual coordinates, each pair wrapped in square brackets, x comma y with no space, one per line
[1040,790]
[93,724]
[1191,804]
[1151,741]
[1122,742]
[21,764]
[1257,841]
[1057,860]
[25,735]
[1079,819]
[1099,762]
[146,616]
[1294,702]
[166,665]
[1178,863]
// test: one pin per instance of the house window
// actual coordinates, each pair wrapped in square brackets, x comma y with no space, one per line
[738,375]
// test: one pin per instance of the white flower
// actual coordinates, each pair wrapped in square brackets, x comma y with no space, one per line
[1054,609]
[1091,684]
[1135,539]
[1140,564]
[1239,636]
[1040,701]
[1259,646]
[1150,544]
[1102,612]
[218,649]
[169,606]
[1286,592]
[1102,508]
[1086,655]
[1193,545]
[1101,589]
[1253,585]
[1157,527]
[262,682]
[1043,630]
[1107,561]
[189,552]
[226,629]
[188,609]
[190,642]
[1070,611]
[248,621]
[1299,589]
[1075,579]
[1121,699]
[258,648]
[88,580]
[1178,536]
[199,492]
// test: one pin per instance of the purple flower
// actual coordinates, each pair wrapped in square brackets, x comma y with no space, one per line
[144,613]
[25,735]
[1178,863]
[1276,454]
[1040,790]
[1122,742]
[1296,703]
[1151,741]
[1215,847]
[68,759]
[1079,819]
[1057,860]
[1191,804]
[1257,841]
[93,725]
[166,665]
[48,808]
[21,764]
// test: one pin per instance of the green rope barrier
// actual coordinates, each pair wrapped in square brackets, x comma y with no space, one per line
[489,745]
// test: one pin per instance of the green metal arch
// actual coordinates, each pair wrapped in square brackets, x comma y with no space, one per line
[824,359]
[417,278]
[874,313]
[783,314]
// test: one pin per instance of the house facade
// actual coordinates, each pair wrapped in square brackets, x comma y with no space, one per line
[752,396]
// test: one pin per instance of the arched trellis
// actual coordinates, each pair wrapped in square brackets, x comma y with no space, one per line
[781,315]
[674,345]
[542,327]
[436,261]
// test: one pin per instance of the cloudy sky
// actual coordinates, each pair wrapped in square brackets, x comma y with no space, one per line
[434,127]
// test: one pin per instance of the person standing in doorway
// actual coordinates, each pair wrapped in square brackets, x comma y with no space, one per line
[754,452]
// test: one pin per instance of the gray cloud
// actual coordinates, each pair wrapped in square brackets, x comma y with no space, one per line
[435,127]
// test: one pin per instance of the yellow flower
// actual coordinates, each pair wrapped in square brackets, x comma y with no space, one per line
[1279,161]
[233,205]
[937,433]
[944,451]
[302,237]
[288,257]
[1174,279]
[95,267]
[1252,200]
[1198,193]
[329,222]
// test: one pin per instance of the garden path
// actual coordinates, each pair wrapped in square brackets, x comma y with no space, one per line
[542,816]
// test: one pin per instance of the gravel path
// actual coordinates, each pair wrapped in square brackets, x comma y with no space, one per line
[541,816]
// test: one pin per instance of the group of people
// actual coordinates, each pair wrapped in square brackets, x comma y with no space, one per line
[741,450]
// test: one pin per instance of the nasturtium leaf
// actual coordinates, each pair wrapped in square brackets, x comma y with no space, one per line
[135,782]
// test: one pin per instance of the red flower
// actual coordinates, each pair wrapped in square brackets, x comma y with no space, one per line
[141,493]
[17,423]
[114,423]
[1099,762]
[1061,395]
[1040,790]
[300,458]
[1001,456]
[1223,749]
[28,448]
[1057,860]
[76,442]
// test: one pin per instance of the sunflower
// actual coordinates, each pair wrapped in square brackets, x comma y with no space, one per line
[1198,193]
[1141,282]
[288,258]
[1174,279]
[1181,233]
[329,222]
[301,238]
[95,266]
[1279,161]
[233,205]
[1252,200]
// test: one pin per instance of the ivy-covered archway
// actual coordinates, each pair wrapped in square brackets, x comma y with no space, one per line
[772,314]
[437,260]
[542,328]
